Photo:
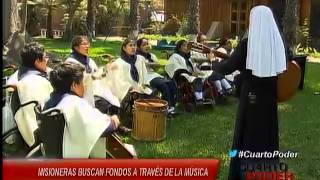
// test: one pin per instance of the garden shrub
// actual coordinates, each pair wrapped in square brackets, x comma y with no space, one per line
[172,26]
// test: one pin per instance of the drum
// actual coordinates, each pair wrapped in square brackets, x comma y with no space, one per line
[149,119]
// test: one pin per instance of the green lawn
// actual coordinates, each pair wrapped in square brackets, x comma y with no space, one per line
[207,133]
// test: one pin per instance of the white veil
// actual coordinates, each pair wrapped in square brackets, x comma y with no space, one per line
[265,53]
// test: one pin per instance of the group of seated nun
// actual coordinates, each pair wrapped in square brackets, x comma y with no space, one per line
[91,97]
[184,62]
[76,85]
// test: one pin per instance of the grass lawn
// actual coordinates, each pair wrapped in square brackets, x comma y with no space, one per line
[207,133]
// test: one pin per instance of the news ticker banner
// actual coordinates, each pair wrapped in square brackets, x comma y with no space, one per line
[142,169]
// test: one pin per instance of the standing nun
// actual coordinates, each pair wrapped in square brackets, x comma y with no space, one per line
[260,58]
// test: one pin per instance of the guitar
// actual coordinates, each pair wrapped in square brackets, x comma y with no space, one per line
[201,48]
[288,81]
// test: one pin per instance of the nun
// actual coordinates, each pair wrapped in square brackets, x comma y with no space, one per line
[86,126]
[217,80]
[127,79]
[181,66]
[32,85]
[166,87]
[96,91]
[260,58]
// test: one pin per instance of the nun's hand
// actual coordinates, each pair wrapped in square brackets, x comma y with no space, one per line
[111,66]
[115,121]
[211,56]
[133,89]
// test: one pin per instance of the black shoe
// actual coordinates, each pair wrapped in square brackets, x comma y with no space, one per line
[124,130]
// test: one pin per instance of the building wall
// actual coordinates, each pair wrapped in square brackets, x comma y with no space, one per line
[219,10]
[214,10]
[210,10]
[315,22]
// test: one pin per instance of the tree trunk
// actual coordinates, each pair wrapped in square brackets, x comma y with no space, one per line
[290,23]
[193,17]
[68,35]
[13,39]
[24,17]
[49,21]
[72,7]
[134,19]
[91,19]
[6,23]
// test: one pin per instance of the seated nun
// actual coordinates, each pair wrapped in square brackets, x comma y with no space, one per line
[85,125]
[96,92]
[167,87]
[32,85]
[216,79]
[127,78]
[180,65]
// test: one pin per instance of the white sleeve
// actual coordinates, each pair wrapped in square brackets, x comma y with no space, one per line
[142,70]
[154,58]
[93,65]
[13,79]
[173,65]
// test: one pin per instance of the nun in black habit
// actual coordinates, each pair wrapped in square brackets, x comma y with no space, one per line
[260,58]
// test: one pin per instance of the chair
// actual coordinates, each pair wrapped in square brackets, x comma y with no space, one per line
[19,146]
[186,92]
[51,128]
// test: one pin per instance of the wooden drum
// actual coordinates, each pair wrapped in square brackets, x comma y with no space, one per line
[149,119]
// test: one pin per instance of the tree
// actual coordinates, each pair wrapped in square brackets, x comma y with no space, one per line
[49,5]
[72,6]
[193,21]
[290,23]
[91,18]
[13,38]
[11,20]
[134,18]
[24,17]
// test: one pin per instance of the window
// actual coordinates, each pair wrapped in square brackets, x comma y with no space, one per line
[239,16]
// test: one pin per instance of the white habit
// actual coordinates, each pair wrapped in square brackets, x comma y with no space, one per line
[120,81]
[177,62]
[84,126]
[151,74]
[31,88]
[95,86]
